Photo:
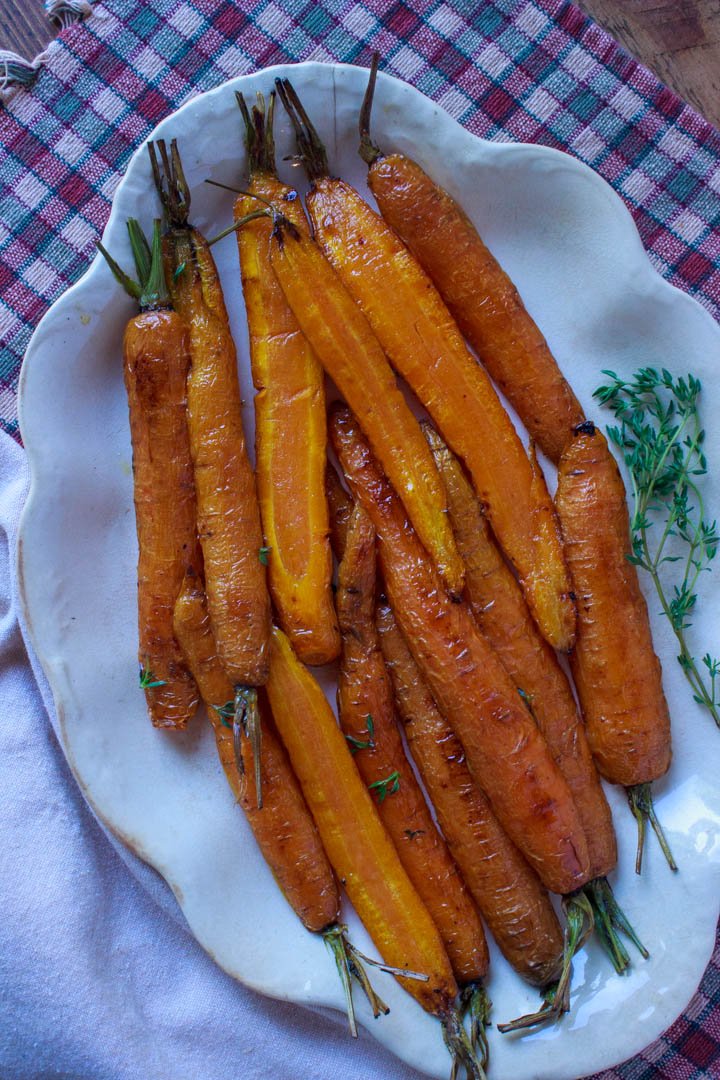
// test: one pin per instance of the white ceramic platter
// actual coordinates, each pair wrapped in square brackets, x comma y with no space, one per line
[573,250]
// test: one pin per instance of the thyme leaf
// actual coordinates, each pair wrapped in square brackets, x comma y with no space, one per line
[226,713]
[359,744]
[659,435]
[147,680]
[389,786]
[263,553]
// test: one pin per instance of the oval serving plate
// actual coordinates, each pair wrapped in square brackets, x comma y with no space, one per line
[572,248]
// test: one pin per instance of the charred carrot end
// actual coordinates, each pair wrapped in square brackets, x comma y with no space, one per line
[351,354]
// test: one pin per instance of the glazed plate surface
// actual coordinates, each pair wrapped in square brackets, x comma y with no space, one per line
[573,251]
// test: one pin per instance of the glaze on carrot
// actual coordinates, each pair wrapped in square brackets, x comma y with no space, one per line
[476,289]
[504,748]
[424,345]
[155,367]
[617,674]
[290,423]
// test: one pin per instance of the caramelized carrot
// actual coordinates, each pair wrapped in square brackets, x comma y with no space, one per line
[357,844]
[508,892]
[228,519]
[617,674]
[504,748]
[351,354]
[283,828]
[424,345]
[290,423]
[478,292]
[156,362]
[369,723]
[500,611]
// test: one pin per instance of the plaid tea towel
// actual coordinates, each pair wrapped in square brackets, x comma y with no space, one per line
[530,70]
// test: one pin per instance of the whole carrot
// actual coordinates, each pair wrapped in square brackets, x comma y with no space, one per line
[290,422]
[617,674]
[369,723]
[501,613]
[156,362]
[358,846]
[283,827]
[504,747]
[424,345]
[478,292]
[228,517]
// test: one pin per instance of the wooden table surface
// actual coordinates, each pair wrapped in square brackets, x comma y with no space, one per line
[678,39]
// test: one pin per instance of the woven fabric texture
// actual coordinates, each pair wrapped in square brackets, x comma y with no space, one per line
[528,70]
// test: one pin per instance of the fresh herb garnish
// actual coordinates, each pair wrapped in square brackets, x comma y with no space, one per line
[226,713]
[386,787]
[178,270]
[148,680]
[660,438]
[263,555]
[358,744]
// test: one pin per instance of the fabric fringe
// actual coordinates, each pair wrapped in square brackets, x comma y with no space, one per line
[15,70]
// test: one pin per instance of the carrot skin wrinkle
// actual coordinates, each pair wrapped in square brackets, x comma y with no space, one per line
[156,361]
[616,672]
[504,747]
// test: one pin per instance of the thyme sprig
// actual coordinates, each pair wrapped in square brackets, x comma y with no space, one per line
[389,786]
[661,440]
[363,744]
[147,680]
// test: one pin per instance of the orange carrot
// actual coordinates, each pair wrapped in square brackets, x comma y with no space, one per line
[358,846]
[617,674]
[478,292]
[504,747]
[290,423]
[156,362]
[425,346]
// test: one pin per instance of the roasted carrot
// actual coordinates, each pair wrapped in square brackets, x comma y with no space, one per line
[501,613]
[478,292]
[351,354]
[283,828]
[155,366]
[340,505]
[358,846]
[369,723]
[617,674]
[508,892]
[424,345]
[290,423]
[228,517]
[504,748]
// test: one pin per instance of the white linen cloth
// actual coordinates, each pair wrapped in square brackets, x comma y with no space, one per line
[100,978]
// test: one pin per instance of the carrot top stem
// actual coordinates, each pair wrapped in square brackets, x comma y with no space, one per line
[246,722]
[369,151]
[578,928]
[475,1003]
[641,804]
[610,918]
[269,212]
[259,138]
[240,191]
[172,187]
[348,961]
[310,145]
[149,289]
[460,1048]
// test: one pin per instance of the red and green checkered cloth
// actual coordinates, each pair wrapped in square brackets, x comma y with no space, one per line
[530,70]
